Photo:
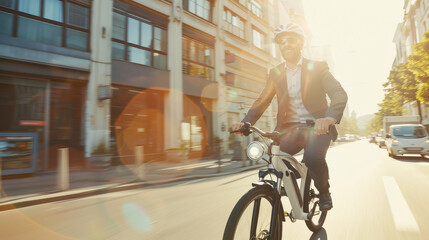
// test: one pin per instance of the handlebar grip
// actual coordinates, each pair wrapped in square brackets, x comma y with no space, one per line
[245,129]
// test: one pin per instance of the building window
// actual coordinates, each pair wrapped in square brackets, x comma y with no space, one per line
[233,23]
[229,78]
[255,7]
[198,59]
[257,39]
[7,3]
[53,10]
[138,40]
[201,8]
[62,23]
[242,2]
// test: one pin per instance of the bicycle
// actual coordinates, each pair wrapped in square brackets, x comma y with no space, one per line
[266,193]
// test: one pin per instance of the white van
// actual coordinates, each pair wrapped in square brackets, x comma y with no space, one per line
[407,139]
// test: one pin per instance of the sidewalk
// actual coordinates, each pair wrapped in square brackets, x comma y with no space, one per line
[41,187]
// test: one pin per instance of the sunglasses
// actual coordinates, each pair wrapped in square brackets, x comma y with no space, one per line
[288,40]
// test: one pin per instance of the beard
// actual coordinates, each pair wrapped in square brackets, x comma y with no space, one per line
[291,54]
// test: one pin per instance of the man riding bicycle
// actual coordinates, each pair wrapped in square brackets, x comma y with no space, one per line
[301,86]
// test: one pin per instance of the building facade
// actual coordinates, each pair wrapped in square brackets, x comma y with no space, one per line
[408,33]
[45,69]
[94,74]
[411,30]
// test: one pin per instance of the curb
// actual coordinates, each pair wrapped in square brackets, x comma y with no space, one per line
[60,196]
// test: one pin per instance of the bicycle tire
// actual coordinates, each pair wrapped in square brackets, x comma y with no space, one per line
[242,205]
[310,194]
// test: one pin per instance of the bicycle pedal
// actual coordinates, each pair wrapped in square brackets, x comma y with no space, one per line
[290,216]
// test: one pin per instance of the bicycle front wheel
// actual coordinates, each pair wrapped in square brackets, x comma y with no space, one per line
[251,217]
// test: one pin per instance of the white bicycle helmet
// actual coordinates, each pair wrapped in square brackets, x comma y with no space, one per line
[291,28]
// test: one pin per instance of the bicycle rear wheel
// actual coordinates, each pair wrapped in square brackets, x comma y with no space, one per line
[251,217]
[311,200]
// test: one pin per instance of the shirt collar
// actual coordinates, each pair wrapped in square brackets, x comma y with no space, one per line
[297,65]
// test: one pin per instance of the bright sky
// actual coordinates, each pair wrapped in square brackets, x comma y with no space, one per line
[360,34]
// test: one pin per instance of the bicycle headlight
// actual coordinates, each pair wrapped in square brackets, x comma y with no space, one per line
[255,151]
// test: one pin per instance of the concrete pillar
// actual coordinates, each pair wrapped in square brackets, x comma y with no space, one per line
[220,109]
[174,99]
[63,179]
[139,152]
[98,111]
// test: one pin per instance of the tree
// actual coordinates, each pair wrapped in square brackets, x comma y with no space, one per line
[348,126]
[418,64]
[403,83]
[391,106]
[407,82]
[375,124]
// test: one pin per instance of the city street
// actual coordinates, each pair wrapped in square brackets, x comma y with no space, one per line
[375,197]
[125,119]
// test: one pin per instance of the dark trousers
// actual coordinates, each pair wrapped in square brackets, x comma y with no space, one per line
[295,138]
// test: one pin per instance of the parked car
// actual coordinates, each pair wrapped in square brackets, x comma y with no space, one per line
[347,138]
[352,137]
[342,138]
[407,139]
[372,139]
[380,142]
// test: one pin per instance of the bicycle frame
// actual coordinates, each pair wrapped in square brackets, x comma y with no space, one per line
[286,177]
[294,193]
[285,166]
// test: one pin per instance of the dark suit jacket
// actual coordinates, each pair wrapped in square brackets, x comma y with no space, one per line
[316,83]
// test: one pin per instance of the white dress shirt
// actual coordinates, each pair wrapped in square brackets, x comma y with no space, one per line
[296,109]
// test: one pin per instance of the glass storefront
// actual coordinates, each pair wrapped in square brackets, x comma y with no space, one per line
[46,110]
[137,120]
[66,121]
[23,109]
[198,118]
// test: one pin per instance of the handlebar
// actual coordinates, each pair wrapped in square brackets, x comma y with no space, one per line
[247,128]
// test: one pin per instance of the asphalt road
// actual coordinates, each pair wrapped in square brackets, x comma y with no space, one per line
[375,197]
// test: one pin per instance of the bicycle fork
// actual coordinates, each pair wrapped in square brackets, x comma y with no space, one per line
[275,214]
[277,209]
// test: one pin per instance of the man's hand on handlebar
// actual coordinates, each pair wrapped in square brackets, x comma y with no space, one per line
[322,125]
[236,127]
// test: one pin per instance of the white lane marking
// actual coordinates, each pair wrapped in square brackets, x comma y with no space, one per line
[404,219]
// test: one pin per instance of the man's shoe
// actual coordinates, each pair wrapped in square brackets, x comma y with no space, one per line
[325,201]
